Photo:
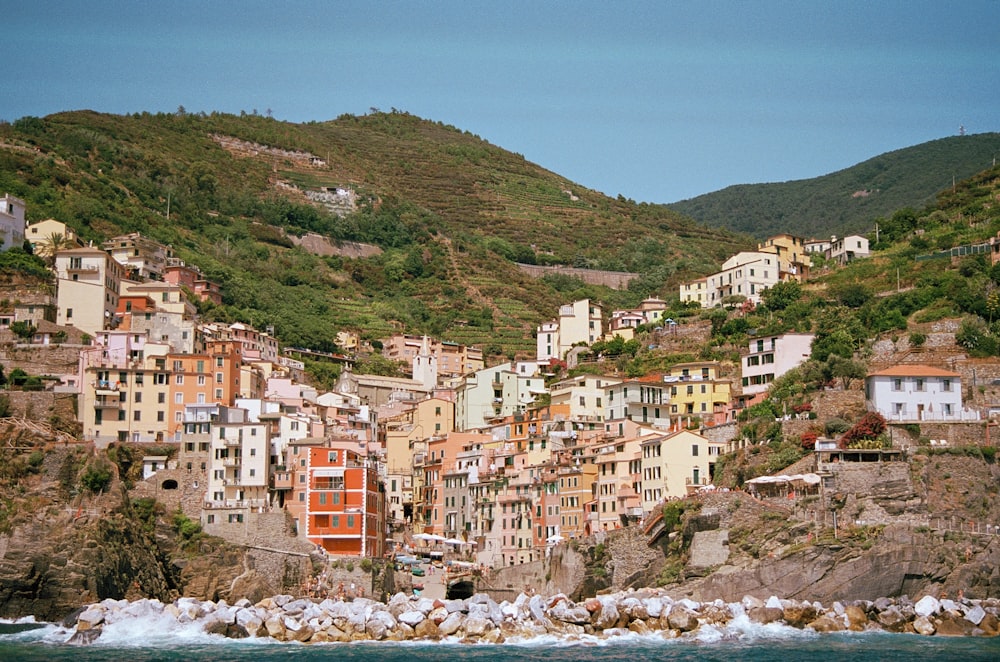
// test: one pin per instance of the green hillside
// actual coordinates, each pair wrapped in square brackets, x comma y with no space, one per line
[451,213]
[847,201]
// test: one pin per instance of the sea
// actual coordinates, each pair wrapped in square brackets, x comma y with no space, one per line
[150,639]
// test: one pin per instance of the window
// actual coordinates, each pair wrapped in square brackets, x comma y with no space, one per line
[138,396]
[201,380]
[179,379]
[897,384]
[137,416]
[69,313]
[694,450]
[161,398]
[160,416]
[946,385]
[920,384]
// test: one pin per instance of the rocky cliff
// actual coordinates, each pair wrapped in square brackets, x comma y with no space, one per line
[62,546]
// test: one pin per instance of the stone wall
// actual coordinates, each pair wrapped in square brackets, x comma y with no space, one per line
[41,405]
[41,359]
[616,280]
[629,553]
[188,495]
[271,530]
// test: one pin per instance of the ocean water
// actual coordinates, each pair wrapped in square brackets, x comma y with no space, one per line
[144,640]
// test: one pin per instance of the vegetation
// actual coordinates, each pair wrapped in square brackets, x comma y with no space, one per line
[847,201]
[451,214]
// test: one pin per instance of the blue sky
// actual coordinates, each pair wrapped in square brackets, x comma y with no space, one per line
[655,100]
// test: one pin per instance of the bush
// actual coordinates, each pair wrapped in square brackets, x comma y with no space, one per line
[97,477]
[186,527]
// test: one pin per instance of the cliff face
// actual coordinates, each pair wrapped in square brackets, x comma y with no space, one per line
[62,547]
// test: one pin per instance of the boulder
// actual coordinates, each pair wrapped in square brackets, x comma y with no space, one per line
[451,624]
[798,614]
[952,625]
[857,618]
[975,614]
[926,606]
[427,629]
[826,623]
[683,619]
[765,615]
[892,619]
[923,625]
[411,618]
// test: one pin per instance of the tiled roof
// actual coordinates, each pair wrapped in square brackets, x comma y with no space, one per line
[914,370]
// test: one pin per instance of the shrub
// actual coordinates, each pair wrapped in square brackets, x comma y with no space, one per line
[186,527]
[96,478]
[808,440]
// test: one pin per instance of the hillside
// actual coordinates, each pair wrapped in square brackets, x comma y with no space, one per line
[449,214]
[847,201]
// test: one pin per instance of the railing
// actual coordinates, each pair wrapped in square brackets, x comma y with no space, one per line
[107,404]
[230,461]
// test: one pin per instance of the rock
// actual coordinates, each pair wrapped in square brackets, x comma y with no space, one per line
[926,606]
[773,602]
[923,625]
[427,629]
[216,627]
[975,614]
[639,627]
[451,624]
[411,618]
[950,625]
[608,616]
[84,637]
[892,619]
[275,628]
[798,614]
[857,618]
[990,625]
[536,607]
[576,614]
[826,624]
[89,619]
[683,619]
[476,626]
[765,615]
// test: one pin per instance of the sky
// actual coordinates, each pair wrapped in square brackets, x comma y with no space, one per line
[657,101]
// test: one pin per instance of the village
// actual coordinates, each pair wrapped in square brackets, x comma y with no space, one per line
[487,466]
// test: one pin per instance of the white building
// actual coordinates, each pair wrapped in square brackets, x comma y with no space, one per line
[88,283]
[772,356]
[745,274]
[912,393]
[848,248]
[11,222]
[579,322]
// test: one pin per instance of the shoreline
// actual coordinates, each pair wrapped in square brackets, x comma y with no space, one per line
[479,619]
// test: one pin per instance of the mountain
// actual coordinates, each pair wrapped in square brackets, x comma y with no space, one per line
[847,201]
[445,217]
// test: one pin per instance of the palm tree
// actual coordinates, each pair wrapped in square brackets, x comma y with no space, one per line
[49,246]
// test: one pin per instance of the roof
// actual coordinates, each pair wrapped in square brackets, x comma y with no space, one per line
[914,370]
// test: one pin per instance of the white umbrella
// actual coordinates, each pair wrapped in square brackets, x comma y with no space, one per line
[454,541]
[554,539]
[421,536]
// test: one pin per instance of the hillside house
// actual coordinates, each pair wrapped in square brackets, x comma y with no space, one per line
[11,222]
[914,393]
[771,357]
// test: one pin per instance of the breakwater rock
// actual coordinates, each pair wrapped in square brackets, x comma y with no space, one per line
[480,619]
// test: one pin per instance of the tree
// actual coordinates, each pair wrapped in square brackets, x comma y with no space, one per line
[781,295]
[847,370]
[50,245]
[23,330]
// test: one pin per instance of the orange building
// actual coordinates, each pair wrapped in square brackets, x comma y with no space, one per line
[209,378]
[345,511]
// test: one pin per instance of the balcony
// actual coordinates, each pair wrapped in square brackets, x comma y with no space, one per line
[107,403]
[232,443]
[230,461]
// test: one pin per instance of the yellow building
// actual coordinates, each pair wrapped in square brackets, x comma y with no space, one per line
[697,392]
